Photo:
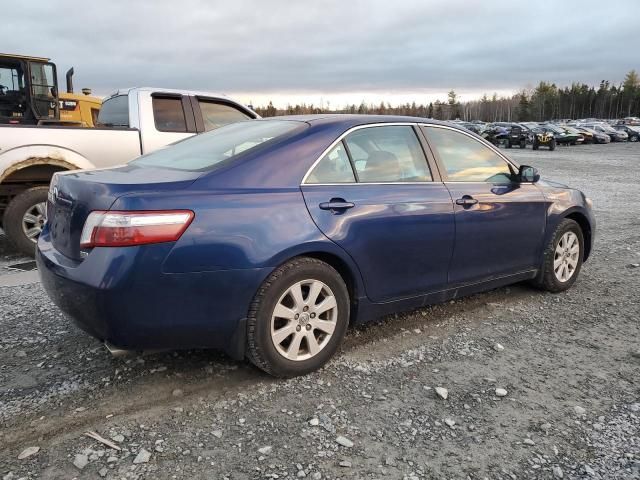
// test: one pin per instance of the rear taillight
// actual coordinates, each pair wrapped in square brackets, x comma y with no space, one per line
[123,229]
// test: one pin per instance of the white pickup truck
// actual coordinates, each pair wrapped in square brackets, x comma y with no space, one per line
[130,123]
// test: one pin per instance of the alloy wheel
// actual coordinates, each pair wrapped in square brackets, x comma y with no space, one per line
[304,320]
[33,220]
[566,256]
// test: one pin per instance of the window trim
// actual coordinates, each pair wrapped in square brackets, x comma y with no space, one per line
[187,111]
[197,111]
[419,137]
[480,140]
[354,173]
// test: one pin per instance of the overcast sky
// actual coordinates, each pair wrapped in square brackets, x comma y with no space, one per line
[332,51]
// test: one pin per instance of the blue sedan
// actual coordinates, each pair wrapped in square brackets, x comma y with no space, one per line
[266,238]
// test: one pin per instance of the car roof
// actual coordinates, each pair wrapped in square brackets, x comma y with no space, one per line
[126,91]
[353,120]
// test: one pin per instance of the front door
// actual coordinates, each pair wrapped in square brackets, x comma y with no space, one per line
[499,221]
[374,195]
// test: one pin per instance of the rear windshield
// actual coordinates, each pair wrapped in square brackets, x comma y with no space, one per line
[114,112]
[204,152]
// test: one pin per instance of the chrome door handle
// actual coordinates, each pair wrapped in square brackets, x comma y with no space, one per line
[466,201]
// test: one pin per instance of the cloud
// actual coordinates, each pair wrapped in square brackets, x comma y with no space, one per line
[331,48]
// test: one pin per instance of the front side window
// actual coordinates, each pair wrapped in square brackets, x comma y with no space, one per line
[114,112]
[388,154]
[467,160]
[208,151]
[169,114]
[333,168]
[215,115]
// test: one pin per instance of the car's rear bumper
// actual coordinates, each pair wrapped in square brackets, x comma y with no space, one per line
[121,296]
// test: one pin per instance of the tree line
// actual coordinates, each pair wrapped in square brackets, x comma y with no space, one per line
[546,101]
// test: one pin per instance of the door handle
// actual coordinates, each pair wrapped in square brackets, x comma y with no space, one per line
[336,205]
[466,201]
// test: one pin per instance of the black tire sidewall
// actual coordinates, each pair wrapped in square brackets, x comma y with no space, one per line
[278,283]
[550,282]
[13,215]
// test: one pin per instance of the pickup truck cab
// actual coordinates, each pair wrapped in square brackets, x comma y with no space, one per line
[131,122]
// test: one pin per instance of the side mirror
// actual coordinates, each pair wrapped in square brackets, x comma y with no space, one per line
[528,174]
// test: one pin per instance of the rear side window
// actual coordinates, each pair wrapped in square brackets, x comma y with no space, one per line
[333,168]
[169,114]
[388,154]
[114,112]
[209,150]
[215,115]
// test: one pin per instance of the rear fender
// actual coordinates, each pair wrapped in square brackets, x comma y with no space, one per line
[19,158]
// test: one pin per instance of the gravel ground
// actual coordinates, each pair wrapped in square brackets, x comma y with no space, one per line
[538,385]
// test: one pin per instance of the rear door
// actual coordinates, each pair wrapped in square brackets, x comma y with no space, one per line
[500,222]
[374,194]
[173,119]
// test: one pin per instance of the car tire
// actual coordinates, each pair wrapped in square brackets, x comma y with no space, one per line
[508,144]
[569,232]
[633,138]
[17,223]
[281,346]
[523,144]
[552,145]
[535,145]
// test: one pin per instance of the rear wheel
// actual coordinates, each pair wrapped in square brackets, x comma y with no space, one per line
[562,258]
[24,218]
[536,145]
[298,318]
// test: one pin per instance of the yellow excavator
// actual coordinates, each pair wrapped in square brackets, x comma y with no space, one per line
[29,95]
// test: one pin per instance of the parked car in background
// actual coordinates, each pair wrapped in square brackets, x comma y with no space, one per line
[614,135]
[130,123]
[586,134]
[632,132]
[477,128]
[495,134]
[267,238]
[573,131]
[562,136]
[635,121]
[596,137]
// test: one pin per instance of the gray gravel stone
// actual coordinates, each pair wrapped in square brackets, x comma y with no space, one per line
[344,441]
[143,456]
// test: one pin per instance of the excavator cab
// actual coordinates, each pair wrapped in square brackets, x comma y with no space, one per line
[28,90]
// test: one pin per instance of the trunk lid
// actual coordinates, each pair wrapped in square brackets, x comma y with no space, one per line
[73,195]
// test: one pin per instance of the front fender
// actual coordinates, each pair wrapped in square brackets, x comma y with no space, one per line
[569,203]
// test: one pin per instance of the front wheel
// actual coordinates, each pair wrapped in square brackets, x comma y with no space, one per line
[563,258]
[523,144]
[298,318]
[24,218]
[552,145]
[634,138]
